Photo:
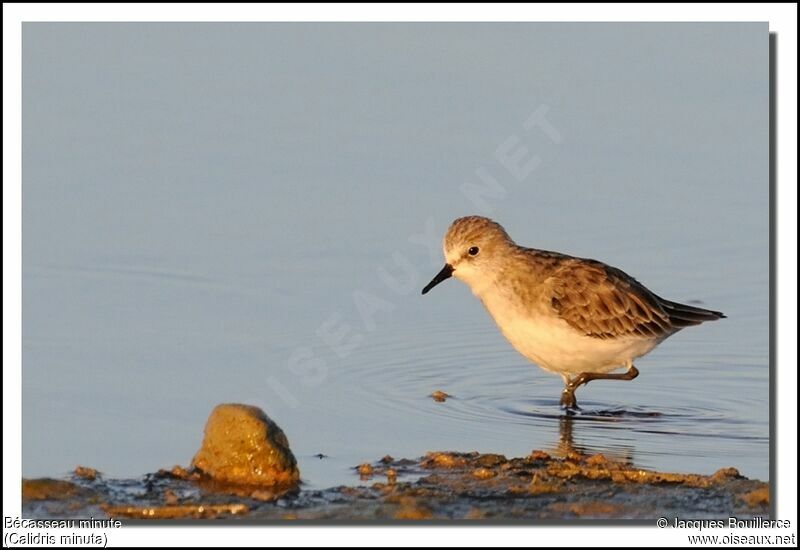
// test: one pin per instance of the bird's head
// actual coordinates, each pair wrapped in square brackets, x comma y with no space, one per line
[473,249]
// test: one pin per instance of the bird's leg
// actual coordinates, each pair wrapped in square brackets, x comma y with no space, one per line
[568,400]
[586,377]
[568,395]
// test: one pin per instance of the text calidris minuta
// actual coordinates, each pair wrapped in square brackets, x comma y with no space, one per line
[579,318]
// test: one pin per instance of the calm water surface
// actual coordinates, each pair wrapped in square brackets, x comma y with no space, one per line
[253,223]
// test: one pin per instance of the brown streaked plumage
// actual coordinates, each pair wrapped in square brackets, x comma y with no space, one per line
[576,317]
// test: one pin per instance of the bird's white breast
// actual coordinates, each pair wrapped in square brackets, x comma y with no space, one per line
[549,341]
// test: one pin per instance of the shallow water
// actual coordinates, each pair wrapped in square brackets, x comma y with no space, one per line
[249,231]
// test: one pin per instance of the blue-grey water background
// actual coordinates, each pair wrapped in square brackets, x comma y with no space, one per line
[247,212]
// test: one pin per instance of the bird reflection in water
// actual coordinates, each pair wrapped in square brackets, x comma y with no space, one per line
[566,445]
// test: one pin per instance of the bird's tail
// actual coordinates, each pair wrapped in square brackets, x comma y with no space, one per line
[682,315]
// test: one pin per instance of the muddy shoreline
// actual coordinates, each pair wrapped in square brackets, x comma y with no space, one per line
[246,469]
[440,485]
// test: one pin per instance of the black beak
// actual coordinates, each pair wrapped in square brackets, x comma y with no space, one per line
[445,273]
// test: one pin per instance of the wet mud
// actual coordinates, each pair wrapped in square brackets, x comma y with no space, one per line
[440,485]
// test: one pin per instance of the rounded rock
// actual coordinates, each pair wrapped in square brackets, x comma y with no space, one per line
[242,445]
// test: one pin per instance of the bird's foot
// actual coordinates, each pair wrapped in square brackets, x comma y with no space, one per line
[568,400]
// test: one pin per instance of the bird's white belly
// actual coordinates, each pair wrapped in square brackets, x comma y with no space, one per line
[555,346]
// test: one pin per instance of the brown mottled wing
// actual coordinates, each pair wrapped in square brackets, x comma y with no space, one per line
[603,302]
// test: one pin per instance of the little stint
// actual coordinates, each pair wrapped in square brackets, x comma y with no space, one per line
[579,318]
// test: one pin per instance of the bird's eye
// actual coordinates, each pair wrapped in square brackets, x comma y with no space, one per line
[473,251]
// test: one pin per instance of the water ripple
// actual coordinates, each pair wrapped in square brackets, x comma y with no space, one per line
[498,397]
